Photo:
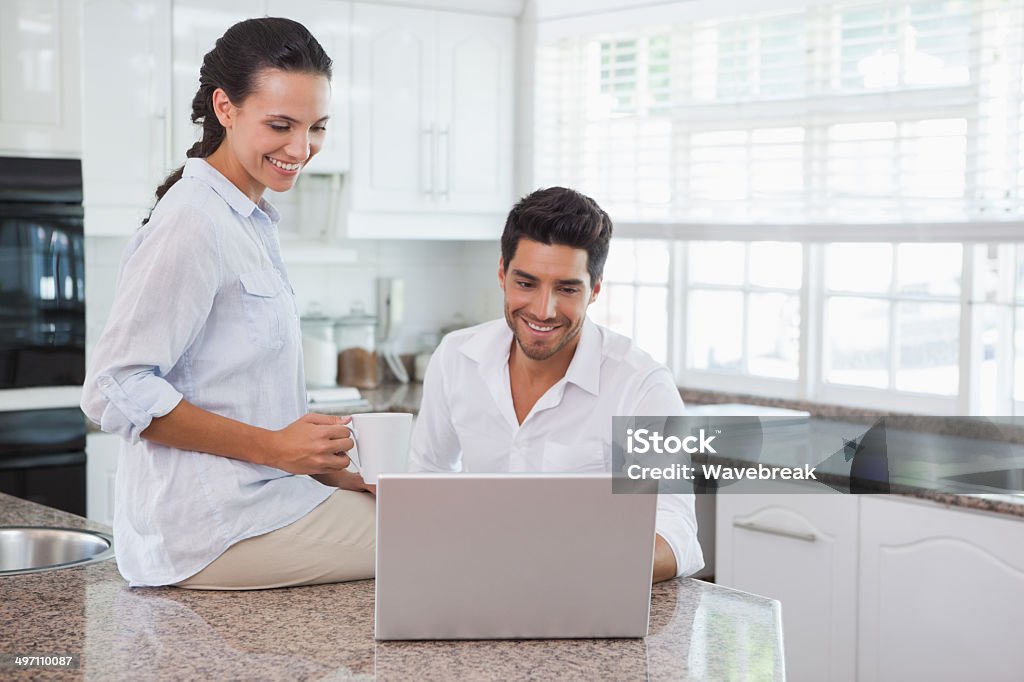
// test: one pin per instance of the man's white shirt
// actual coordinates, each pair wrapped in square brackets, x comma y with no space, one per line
[467,421]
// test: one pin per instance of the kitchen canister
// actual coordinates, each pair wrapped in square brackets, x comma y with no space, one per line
[319,352]
[355,336]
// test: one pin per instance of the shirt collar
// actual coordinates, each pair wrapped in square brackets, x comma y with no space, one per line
[490,349]
[585,368]
[202,170]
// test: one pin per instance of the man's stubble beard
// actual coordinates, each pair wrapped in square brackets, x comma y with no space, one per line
[573,333]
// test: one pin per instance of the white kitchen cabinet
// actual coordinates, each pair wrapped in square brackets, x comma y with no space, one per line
[394,121]
[101,452]
[40,89]
[432,123]
[941,593]
[476,79]
[801,549]
[126,111]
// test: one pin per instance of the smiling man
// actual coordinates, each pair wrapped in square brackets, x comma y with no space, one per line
[536,392]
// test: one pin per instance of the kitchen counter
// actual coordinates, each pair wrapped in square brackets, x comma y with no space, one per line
[697,631]
[922,451]
[876,456]
[384,398]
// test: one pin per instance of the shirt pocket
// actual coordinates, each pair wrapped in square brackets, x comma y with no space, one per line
[589,455]
[264,301]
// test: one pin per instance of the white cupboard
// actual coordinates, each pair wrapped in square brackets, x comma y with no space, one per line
[476,80]
[40,75]
[420,139]
[126,111]
[394,123]
[801,549]
[941,593]
[101,452]
[880,588]
[432,123]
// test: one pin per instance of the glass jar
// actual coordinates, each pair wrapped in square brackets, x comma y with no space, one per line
[356,337]
[319,351]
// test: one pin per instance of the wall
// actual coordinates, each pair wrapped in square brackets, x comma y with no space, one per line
[442,279]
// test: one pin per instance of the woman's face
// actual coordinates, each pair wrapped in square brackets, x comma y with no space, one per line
[275,131]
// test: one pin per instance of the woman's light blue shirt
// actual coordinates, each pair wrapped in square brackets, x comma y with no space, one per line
[203,311]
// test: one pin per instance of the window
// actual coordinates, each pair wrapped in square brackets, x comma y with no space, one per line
[892,316]
[828,187]
[635,292]
[743,308]
[824,113]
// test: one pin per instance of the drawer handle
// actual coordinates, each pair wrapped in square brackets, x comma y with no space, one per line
[806,537]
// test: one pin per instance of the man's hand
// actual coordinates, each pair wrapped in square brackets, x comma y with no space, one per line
[664,561]
[346,480]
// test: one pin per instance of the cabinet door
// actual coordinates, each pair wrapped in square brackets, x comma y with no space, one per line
[330,21]
[802,550]
[197,26]
[101,450]
[40,89]
[126,100]
[475,105]
[395,132]
[942,593]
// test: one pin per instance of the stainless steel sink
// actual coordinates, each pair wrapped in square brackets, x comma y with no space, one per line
[27,549]
[1009,480]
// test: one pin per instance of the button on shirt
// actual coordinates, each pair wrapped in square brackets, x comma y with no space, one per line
[467,421]
[203,311]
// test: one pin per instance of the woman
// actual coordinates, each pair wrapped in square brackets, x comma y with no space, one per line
[199,368]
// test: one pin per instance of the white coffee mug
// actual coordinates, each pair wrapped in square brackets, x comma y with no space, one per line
[381,443]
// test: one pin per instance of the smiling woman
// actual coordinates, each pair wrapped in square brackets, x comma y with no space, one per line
[199,368]
[280,128]
[285,90]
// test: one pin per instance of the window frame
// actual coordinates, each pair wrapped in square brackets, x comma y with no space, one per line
[810,384]
[1000,221]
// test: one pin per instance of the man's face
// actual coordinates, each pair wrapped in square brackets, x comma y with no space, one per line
[547,292]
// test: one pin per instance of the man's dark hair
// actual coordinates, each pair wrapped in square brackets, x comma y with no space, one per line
[558,215]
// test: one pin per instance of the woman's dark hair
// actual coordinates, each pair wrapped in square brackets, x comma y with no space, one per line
[558,215]
[234,64]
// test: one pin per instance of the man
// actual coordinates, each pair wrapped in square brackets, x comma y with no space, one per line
[537,391]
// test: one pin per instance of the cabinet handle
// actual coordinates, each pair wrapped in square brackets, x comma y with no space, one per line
[445,173]
[806,537]
[428,158]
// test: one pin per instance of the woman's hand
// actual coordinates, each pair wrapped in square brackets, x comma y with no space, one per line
[313,444]
[346,480]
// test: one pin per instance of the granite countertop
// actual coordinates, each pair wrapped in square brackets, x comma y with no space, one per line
[390,398]
[925,449]
[883,455]
[697,631]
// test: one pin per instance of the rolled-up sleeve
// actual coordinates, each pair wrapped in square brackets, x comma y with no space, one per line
[170,275]
[676,519]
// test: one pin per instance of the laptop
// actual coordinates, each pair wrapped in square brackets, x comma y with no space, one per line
[511,556]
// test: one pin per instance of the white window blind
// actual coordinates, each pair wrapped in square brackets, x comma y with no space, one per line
[827,114]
